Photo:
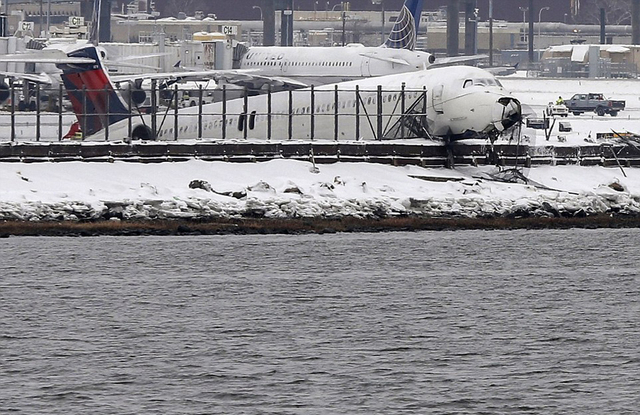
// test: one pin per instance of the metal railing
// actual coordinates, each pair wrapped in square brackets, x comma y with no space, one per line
[174,113]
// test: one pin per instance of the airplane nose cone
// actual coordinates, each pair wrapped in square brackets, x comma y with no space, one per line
[510,113]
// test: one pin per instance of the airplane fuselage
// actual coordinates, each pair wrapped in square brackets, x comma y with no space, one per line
[325,65]
[456,102]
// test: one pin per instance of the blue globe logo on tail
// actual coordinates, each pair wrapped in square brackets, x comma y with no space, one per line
[405,30]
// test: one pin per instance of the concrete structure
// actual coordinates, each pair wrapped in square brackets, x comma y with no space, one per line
[593,61]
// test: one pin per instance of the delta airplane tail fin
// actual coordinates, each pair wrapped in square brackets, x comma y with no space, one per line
[91,92]
[405,30]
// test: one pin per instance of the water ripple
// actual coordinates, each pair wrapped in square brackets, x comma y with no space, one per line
[461,322]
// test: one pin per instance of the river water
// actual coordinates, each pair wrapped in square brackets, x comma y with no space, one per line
[464,322]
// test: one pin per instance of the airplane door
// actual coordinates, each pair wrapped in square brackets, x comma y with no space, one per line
[437,97]
[285,65]
[365,67]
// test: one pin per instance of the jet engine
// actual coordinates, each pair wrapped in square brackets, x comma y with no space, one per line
[133,91]
[142,132]
[5,92]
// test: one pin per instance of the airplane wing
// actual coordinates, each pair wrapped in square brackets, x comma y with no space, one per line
[232,76]
[501,70]
[111,64]
[44,56]
[385,59]
[38,79]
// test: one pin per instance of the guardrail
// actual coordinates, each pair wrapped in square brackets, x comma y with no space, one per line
[426,154]
[46,115]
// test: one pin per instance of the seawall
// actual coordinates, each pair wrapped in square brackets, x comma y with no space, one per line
[424,153]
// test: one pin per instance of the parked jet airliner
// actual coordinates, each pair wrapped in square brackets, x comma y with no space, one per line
[323,65]
[454,103]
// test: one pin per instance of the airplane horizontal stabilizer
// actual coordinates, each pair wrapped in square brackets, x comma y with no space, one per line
[38,79]
[457,59]
[385,59]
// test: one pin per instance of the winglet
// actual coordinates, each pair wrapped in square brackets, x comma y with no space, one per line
[405,30]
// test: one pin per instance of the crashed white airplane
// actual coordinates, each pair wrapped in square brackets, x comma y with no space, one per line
[451,103]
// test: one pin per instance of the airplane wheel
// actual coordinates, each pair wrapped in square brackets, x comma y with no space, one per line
[142,132]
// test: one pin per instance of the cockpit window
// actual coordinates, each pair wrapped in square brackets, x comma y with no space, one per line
[481,82]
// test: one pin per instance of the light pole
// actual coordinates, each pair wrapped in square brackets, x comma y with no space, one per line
[524,11]
[490,32]
[540,20]
[259,8]
[381,3]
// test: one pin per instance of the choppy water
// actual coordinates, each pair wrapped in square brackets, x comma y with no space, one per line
[465,322]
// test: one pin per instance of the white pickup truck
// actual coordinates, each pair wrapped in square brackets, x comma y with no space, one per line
[554,109]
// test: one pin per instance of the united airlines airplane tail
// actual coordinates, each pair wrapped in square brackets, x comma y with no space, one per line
[100,105]
[405,30]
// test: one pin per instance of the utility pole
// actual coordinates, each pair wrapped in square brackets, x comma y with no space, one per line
[603,26]
[635,22]
[41,18]
[104,30]
[286,24]
[490,32]
[530,13]
[453,10]
[268,22]
[470,27]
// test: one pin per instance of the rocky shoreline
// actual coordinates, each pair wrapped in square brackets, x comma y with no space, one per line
[255,226]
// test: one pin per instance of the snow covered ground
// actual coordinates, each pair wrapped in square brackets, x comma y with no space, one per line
[287,188]
[538,92]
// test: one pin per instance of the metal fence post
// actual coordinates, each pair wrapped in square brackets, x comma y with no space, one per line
[379,115]
[336,104]
[402,110]
[154,105]
[290,114]
[13,112]
[175,113]
[37,112]
[313,111]
[130,120]
[357,112]
[224,111]
[245,111]
[424,106]
[106,115]
[200,111]
[84,112]
[60,92]
[269,112]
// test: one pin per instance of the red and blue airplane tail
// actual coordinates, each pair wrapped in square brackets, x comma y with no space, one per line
[93,96]
[404,33]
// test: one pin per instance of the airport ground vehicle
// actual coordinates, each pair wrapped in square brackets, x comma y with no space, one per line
[554,109]
[594,102]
